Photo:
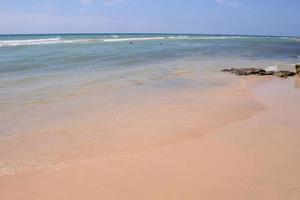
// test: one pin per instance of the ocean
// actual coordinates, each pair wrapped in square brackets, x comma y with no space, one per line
[39,71]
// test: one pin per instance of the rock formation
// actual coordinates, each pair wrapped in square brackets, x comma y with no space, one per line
[261,72]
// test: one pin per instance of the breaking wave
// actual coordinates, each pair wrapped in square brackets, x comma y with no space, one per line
[29,42]
[59,40]
[133,39]
[117,38]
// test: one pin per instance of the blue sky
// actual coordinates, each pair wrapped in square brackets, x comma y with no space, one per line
[262,17]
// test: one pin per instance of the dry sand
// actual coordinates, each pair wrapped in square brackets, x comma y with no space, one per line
[245,148]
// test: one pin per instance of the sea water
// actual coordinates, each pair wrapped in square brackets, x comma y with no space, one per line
[68,99]
[37,71]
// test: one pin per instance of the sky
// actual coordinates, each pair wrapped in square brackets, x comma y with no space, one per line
[250,17]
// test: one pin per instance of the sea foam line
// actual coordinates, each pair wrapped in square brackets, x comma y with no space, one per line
[115,38]
[133,39]
[59,40]
[29,42]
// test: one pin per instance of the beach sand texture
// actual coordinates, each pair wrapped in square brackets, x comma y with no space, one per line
[238,142]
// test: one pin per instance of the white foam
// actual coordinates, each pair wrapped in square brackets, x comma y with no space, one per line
[116,38]
[56,40]
[297,39]
[59,40]
[272,68]
[224,37]
[133,39]
[29,42]
[186,37]
[209,37]
[182,37]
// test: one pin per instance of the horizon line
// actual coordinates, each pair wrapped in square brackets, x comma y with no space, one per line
[141,33]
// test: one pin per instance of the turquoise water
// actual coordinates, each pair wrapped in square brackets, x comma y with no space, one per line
[41,69]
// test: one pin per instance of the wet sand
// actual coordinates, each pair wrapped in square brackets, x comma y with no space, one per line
[239,142]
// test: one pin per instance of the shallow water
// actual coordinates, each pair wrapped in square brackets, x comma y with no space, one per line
[39,70]
[67,98]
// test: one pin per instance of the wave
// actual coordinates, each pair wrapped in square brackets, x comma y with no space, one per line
[133,39]
[179,37]
[272,68]
[116,38]
[59,40]
[29,42]
[56,40]
[186,37]
[225,37]
[294,39]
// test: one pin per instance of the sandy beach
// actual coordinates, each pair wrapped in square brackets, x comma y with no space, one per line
[149,100]
[237,142]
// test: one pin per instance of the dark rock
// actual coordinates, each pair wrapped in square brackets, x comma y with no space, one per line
[297,69]
[265,73]
[245,71]
[281,75]
[225,70]
[253,71]
[260,72]
[269,73]
[284,74]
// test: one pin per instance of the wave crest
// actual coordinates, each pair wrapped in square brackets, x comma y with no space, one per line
[133,39]
[117,38]
[29,42]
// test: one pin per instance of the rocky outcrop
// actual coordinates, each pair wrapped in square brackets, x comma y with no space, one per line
[260,72]
[297,69]
[244,71]
[284,74]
